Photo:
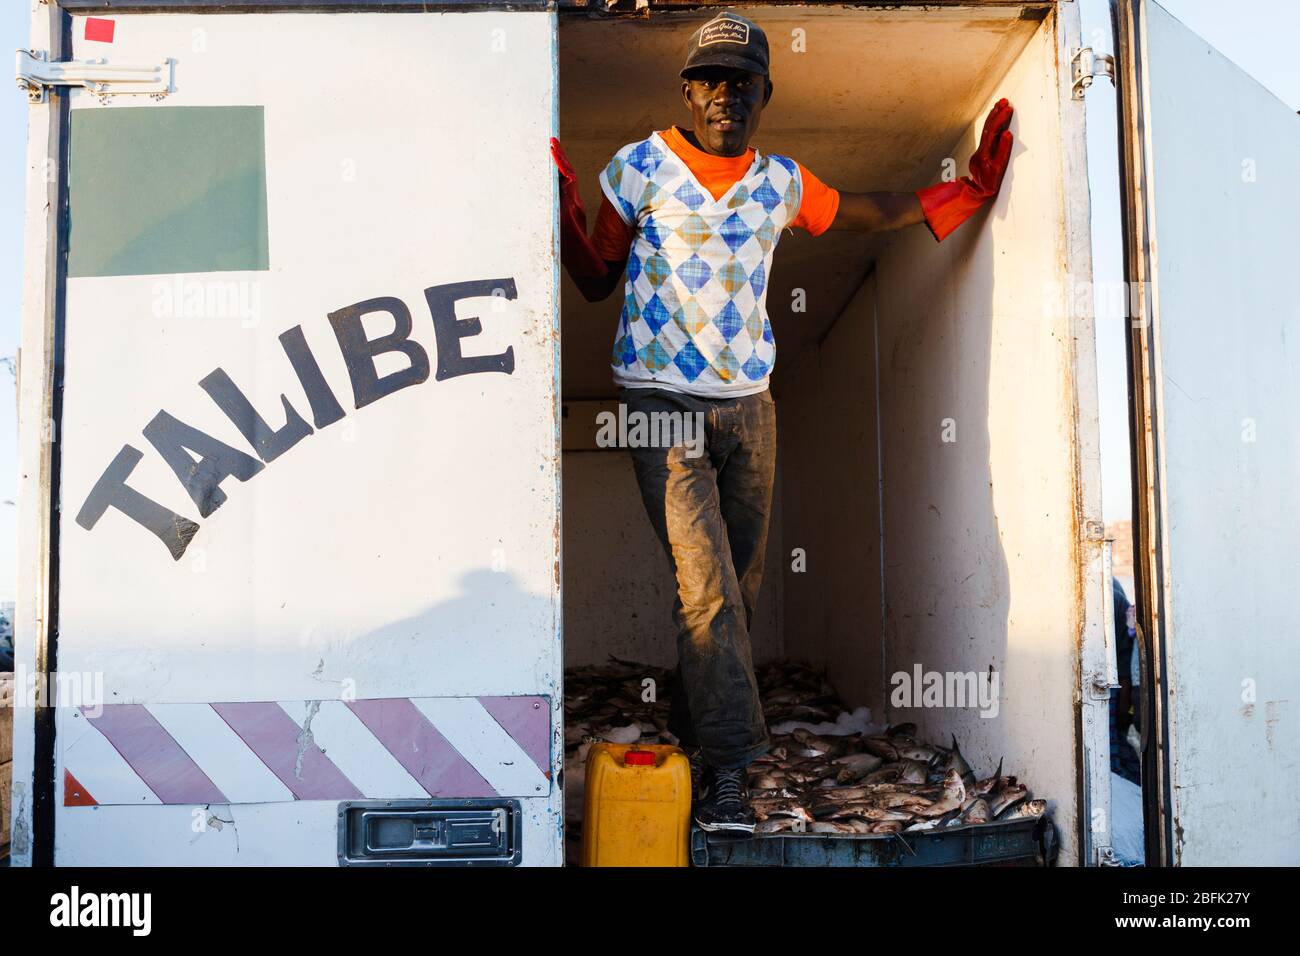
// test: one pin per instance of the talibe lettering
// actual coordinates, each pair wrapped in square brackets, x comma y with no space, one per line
[202,463]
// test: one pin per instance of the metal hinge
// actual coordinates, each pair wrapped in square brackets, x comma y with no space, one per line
[36,74]
[1087,65]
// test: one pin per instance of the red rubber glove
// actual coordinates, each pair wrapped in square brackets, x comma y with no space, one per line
[577,252]
[948,205]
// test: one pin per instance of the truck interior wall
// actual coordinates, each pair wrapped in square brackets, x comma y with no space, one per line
[981,508]
[618,583]
[830,502]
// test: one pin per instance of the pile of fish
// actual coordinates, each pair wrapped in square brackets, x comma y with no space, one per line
[877,783]
[613,703]
[829,770]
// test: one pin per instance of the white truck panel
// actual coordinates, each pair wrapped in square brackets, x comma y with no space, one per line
[398,563]
[1224,179]
[242,835]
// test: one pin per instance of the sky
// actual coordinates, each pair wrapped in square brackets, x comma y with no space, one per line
[1259,35]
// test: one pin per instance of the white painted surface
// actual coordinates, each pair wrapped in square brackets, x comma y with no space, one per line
[35,435]
[1095,651]
[983,560]
[305,833]
[409,550]
[1225,327]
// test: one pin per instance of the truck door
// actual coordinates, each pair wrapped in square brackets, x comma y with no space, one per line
[307,485]
[1212,196]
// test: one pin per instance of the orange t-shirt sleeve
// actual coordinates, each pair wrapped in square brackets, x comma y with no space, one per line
[818,206]
[613,237]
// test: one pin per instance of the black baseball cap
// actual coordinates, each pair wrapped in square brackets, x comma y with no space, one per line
[728,40]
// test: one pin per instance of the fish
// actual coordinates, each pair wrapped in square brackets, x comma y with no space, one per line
[809,739]
[954,795]
[881,747]
[913,771]
[803,776]
[859,762]
[905,800]
[1030,808]
[824,811]
[791,811]
[767,780]
[977,811]
[844,776]
[918,752]
[985,787]
[869,812]
[886,774]
[957,762]
[1006,798]
[925,825]
[773,793]
[830,826]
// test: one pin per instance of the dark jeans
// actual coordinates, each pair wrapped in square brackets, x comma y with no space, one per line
[711,514]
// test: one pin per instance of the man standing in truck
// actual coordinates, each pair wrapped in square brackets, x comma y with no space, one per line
[693,216]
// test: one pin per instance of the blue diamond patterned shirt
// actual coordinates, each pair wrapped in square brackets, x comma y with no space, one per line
[694,313]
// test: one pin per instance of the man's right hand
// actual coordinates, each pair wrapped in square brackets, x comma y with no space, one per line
[576,250]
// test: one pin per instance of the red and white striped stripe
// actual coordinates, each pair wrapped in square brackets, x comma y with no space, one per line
[274,751]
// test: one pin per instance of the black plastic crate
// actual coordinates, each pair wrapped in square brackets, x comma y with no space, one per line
[1027,842]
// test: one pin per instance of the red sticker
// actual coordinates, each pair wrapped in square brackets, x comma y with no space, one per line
[74,794]
[100,29]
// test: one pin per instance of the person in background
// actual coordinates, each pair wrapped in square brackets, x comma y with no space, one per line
[692,216]
[1123,759]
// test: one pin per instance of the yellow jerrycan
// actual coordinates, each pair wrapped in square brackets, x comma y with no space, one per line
[638,807]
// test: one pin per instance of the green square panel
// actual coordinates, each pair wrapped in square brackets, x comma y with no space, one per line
[164,189]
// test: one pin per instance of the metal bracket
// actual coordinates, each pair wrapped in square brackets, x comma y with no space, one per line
[36,74]
[1099,687]
[1086,65]
[1106,856]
